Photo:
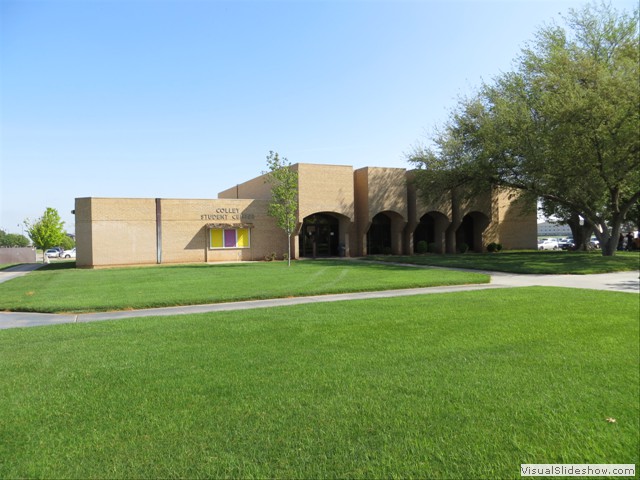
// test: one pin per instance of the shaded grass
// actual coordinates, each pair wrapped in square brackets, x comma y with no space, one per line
[466,385]
[545,262]
[61,288]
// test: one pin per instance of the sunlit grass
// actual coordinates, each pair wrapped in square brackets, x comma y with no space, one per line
[466,385]
[62,288]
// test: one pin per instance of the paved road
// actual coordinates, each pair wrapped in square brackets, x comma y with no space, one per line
[622,282]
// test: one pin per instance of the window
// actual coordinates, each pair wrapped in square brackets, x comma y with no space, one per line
[229,238]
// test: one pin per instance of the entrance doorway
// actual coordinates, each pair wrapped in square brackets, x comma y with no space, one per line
[431,229]
[471,229]
[319,236]
[379,235]
[424,232]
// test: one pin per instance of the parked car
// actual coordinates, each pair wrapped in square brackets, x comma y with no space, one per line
[566,244]
[69,253]
[548,244]
[53,252]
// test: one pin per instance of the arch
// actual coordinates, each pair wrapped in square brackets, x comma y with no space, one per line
[431,229]
[379,235]
[320,235]
[471,229]
[424,231]
[385,234]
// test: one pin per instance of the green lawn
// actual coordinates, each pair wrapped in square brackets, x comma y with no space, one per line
[465,385]
[62,288]
[546,262]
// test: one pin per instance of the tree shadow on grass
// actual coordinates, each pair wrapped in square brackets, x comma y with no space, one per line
[64,265]
[533,262]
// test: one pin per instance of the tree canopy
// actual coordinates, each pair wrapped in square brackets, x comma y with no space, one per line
[47,231]
[13,240]
[283,206]
[562,127]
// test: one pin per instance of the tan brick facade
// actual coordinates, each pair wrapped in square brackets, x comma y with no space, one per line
[129,231]
[341,212]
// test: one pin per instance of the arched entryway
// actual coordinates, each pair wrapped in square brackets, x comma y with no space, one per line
[424,232]
[470,231]
[320,236]
[431,230]
[379,235]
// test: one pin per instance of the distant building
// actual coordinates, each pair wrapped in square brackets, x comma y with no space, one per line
[342,212]
[553,229]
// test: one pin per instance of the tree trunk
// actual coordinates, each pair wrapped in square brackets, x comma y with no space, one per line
[581,233]
[609,239]
[609,247]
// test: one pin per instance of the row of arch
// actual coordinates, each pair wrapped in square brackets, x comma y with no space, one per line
[322,234]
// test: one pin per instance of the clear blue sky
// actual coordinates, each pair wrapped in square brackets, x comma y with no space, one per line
[185,98]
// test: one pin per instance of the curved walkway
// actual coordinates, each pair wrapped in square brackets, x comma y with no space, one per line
[18,271]
[628,282]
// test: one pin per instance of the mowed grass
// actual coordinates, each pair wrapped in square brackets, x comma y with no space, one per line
[465,385]
[536,262]
[60,288]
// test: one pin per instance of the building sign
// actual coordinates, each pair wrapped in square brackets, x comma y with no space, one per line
[225,213]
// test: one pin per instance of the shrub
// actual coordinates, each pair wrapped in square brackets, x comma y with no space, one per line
[285,256]
[270,257]
[463,247]
[422,247]
[432,248]
[494,247]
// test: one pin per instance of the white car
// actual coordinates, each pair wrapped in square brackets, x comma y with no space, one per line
[549,244]
[68,253]
[53,252]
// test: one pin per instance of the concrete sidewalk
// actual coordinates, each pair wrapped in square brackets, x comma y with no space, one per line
[617,282]
[628,282]
[18,271]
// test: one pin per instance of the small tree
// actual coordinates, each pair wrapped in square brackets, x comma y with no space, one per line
[47,231]
[283,206]
[67,242]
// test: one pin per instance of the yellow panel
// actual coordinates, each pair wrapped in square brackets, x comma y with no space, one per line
[243,238]
[216,238]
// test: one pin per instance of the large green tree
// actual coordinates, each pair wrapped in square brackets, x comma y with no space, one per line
[563,126]
[13,240]
[47,231]
[283,206]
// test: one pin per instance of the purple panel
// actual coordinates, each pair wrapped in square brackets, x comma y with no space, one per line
[229,238]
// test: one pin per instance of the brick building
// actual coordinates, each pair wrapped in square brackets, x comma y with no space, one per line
[341,211]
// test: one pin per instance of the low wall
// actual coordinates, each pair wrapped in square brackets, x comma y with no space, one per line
[18,255]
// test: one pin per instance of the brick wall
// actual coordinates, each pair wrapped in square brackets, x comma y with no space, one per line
[115,231]
[325,188]
[123,231]
[256,188]
[517,222]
